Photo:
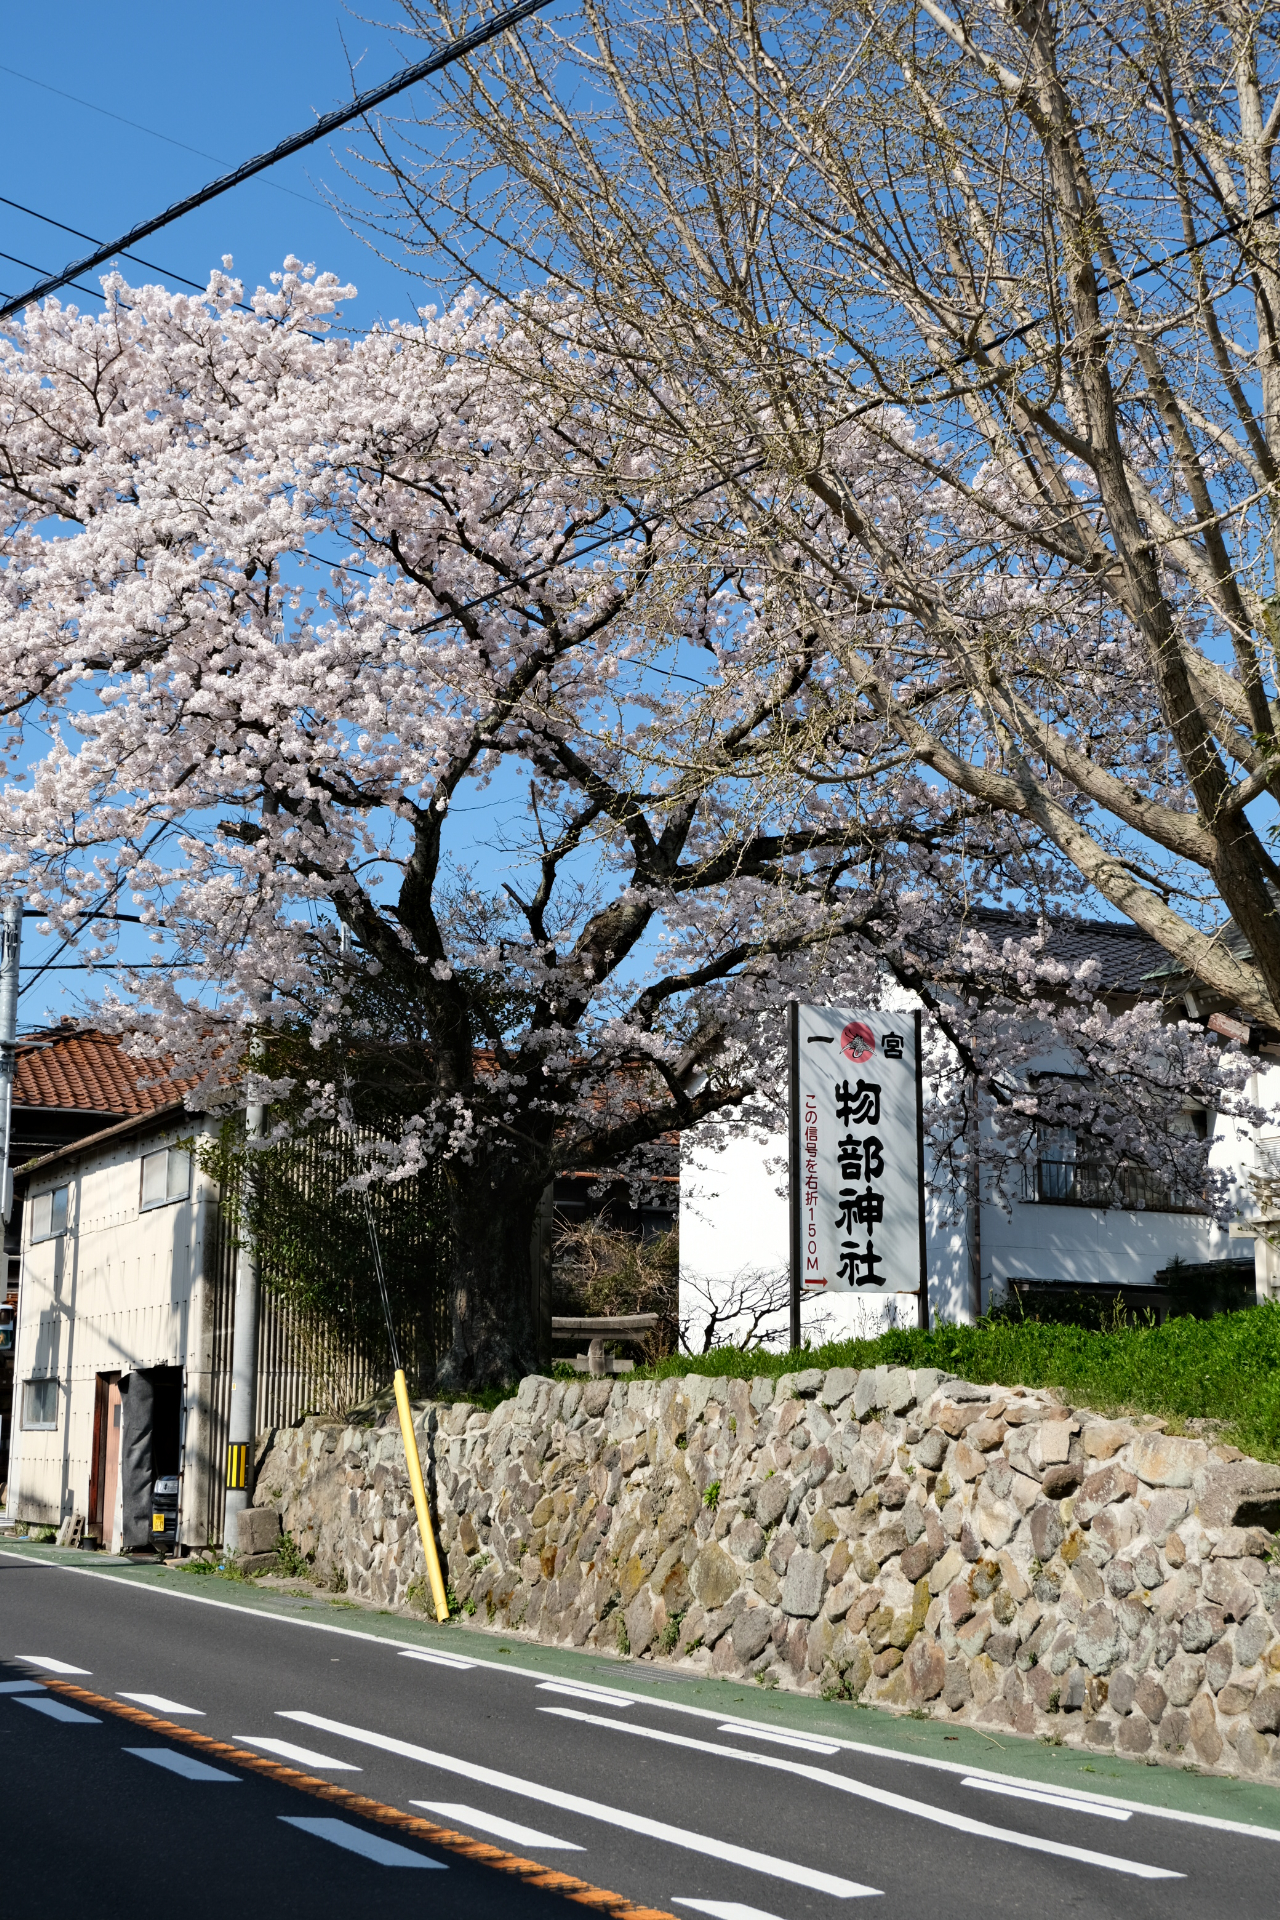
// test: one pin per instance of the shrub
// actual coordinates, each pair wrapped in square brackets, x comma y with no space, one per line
[1226,1369]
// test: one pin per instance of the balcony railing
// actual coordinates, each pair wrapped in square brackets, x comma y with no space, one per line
[1102,1183]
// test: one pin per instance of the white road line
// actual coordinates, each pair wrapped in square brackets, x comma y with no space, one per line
[879,1796]
[713,1846]
[57,1710]
[465,1816]
[305,1756]
[340,1833]
[21,1686]
[184,1764]
[724,1909]
[51,1666]
[1046,1797]
[436,1659]
[602,1696]
[1247,1830]
[158,1704]
[777,1736]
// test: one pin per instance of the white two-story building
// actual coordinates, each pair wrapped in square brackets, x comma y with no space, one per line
[1075,1224]
[124,1311]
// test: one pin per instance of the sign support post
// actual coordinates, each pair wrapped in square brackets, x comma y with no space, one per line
[793,1025]
[856,1155]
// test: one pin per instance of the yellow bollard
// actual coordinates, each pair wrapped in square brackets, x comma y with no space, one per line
[420,1497]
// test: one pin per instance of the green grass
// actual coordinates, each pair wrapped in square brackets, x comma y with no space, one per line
[1225,1369]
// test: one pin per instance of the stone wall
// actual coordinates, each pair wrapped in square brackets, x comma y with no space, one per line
[984,1554]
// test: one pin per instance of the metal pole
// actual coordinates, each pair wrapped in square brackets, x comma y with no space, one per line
[244,1343]
[10,950]
[794,1165]
[922,1299]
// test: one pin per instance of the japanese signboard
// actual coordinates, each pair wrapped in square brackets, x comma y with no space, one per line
[857,1153]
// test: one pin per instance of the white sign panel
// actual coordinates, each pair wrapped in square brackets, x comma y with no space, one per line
[857,1176]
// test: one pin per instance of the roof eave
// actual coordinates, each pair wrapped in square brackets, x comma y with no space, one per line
[160,1117]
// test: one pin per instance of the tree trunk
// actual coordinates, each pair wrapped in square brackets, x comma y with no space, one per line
[492,1210]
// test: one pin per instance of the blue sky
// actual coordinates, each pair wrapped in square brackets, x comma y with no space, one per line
[230,81]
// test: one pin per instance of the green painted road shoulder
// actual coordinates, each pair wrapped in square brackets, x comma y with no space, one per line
[1171,1788]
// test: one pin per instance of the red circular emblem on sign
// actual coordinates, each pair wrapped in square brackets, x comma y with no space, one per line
[857,1042]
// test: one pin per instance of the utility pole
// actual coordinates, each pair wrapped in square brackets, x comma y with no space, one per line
[10,949]
[244,1340]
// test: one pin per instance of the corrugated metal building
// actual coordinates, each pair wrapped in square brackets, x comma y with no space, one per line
[127,1264]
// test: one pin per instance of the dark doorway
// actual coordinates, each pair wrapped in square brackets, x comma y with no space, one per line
[152,1445]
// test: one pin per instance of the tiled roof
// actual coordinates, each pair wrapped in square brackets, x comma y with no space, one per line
[1128,957]
[76,1069]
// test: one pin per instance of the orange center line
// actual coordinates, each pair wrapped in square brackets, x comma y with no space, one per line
[479,1852]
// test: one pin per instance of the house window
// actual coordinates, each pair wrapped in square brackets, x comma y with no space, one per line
[40,1403]
[49,1213]
[1074,1169]
[166,1176]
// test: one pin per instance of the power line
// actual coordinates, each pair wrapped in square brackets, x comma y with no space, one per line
[328,123]
[1104,287]
[106,112]
[153,133]
[62,226]
[94,293]
[98,966]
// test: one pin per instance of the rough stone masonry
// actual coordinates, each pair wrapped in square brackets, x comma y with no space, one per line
[985,1554]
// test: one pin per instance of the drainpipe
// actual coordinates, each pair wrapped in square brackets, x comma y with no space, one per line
[244,1344]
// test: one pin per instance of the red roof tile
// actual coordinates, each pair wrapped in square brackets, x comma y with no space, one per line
[79,1069]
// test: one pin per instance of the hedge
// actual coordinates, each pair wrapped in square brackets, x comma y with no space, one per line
[1226,1369]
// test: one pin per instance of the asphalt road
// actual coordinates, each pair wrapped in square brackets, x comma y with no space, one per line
[657,1801]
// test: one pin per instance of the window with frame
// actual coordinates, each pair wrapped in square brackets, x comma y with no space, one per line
[1075,1168]
[166,1177]
[49,1213]
[39,1404]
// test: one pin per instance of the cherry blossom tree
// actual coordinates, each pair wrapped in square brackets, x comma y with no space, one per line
[288,602]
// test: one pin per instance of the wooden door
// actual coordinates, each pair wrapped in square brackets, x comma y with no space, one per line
[106,1456]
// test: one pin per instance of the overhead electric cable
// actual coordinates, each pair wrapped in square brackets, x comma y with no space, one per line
[94,293]
[107,114]
[327,123]
[62,226]
[1104,287]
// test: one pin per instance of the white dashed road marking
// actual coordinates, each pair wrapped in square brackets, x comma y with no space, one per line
[340,1833]
[57,1710]
[724,1909]
[181,1763]
[713,1846]
[158,1704]
[599,1696]
[437,1659]
[465,1816]
[881,1797]
[777,1737]
[50,1666]
[1046,1797]
[305,1756]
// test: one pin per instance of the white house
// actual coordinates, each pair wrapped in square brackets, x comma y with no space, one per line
[734,1214]
[125,1303]
[117,1332]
